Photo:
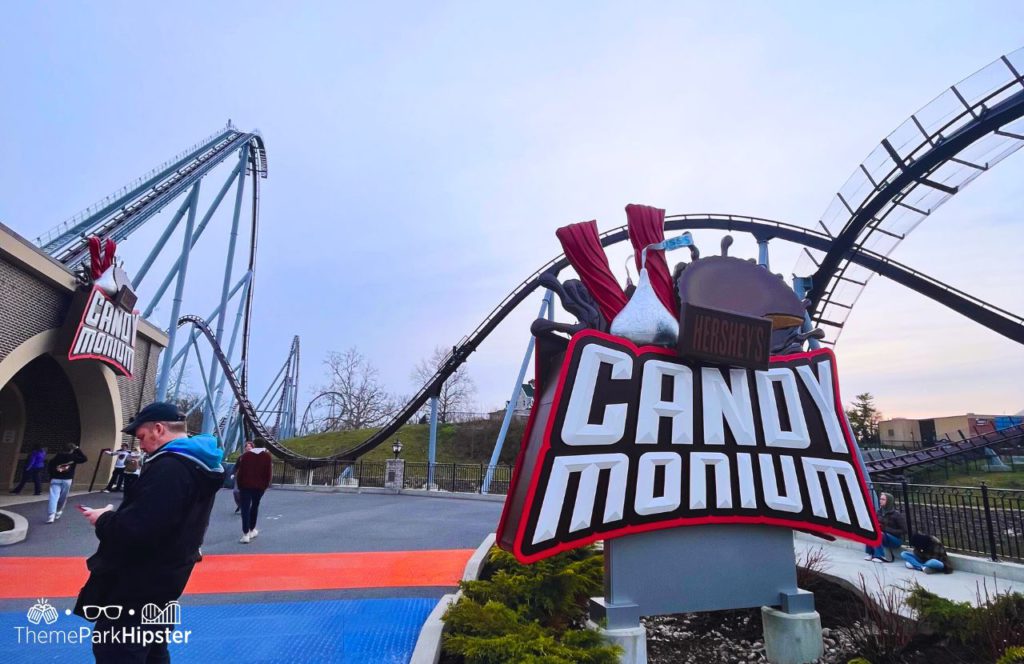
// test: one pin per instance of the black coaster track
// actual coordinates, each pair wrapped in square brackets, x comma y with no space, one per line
[994,318]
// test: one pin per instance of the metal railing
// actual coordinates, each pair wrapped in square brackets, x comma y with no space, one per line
[977,520]
[453,477]
[457,477]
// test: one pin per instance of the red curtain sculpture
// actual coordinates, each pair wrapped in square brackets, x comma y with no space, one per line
[647,226]
[582,247]
[100,261]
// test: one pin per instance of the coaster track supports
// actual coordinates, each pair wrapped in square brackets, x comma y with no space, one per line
[243,158]
[432,446]
[547,309]
[165,371]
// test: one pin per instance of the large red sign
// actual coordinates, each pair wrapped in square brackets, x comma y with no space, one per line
[103,331]
[625,439]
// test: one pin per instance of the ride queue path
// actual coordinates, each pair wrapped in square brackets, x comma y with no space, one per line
[331,577]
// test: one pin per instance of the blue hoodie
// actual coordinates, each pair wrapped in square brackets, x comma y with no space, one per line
[201,448]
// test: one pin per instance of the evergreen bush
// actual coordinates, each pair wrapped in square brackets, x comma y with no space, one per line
[529,613]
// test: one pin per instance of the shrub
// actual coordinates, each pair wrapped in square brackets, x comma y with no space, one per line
[882,634]
[1013,655]
[943,616]
[529,613]
[554,591]
[996,623]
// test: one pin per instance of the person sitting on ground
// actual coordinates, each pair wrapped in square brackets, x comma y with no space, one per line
[116,482]
[894,529]
[928,556]
[62,474]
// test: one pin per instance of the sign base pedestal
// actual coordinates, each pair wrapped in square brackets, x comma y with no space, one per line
[683,570]
[791,638]
[633,641]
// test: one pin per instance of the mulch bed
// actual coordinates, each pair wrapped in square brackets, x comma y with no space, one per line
[733,637]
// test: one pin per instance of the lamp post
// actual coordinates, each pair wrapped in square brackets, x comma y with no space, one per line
[396,447]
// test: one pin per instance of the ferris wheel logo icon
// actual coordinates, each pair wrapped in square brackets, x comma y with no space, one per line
[154,615]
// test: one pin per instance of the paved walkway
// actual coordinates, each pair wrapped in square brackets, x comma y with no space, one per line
[331,577]
[847,563]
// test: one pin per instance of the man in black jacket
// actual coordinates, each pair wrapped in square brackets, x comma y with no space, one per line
[62,473]
[149,545]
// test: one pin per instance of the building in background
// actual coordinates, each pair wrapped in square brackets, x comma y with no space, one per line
[913,434]
[46,398]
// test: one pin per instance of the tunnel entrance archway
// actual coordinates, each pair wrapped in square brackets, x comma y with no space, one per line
[61,402]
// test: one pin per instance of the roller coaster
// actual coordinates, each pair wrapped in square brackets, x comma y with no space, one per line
[929,158]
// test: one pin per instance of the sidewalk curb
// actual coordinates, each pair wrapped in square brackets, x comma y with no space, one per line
[428,645]
[18,532]
[423,493]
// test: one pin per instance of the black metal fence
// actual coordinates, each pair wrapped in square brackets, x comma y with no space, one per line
[455,477]
[977,520]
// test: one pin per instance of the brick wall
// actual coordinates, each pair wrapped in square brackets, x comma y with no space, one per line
[141,388]
[28,306]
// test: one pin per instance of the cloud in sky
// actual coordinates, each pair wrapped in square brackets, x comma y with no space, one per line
[421,157]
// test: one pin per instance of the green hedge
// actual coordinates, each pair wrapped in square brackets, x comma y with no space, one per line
[529,613]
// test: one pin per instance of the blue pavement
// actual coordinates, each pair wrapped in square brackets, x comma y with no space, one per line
[347,630]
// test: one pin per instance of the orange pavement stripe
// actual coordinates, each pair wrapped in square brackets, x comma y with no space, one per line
[63,577]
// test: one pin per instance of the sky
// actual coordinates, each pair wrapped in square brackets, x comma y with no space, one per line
[421,156]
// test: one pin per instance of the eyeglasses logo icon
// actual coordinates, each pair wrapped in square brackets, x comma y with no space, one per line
[42,611]
[93,612]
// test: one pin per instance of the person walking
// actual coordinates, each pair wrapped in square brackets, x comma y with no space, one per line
[894,529]
[252,477]
[33,467]
[235,493]
[150,543]
[116,482]
[62,473]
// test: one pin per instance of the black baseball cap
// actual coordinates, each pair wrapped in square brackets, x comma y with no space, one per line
[158,411]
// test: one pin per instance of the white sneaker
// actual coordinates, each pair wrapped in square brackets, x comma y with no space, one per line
[253,533]
[59,513]
[49,519]
[106,491]
[245,539]
[909,566]
[868,557]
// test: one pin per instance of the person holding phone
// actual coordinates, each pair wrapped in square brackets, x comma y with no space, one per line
[150,543]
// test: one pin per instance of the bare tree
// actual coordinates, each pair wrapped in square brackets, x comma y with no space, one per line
[456,394]
[364,401]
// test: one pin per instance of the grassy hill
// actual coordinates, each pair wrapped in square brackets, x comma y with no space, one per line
[470,442]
